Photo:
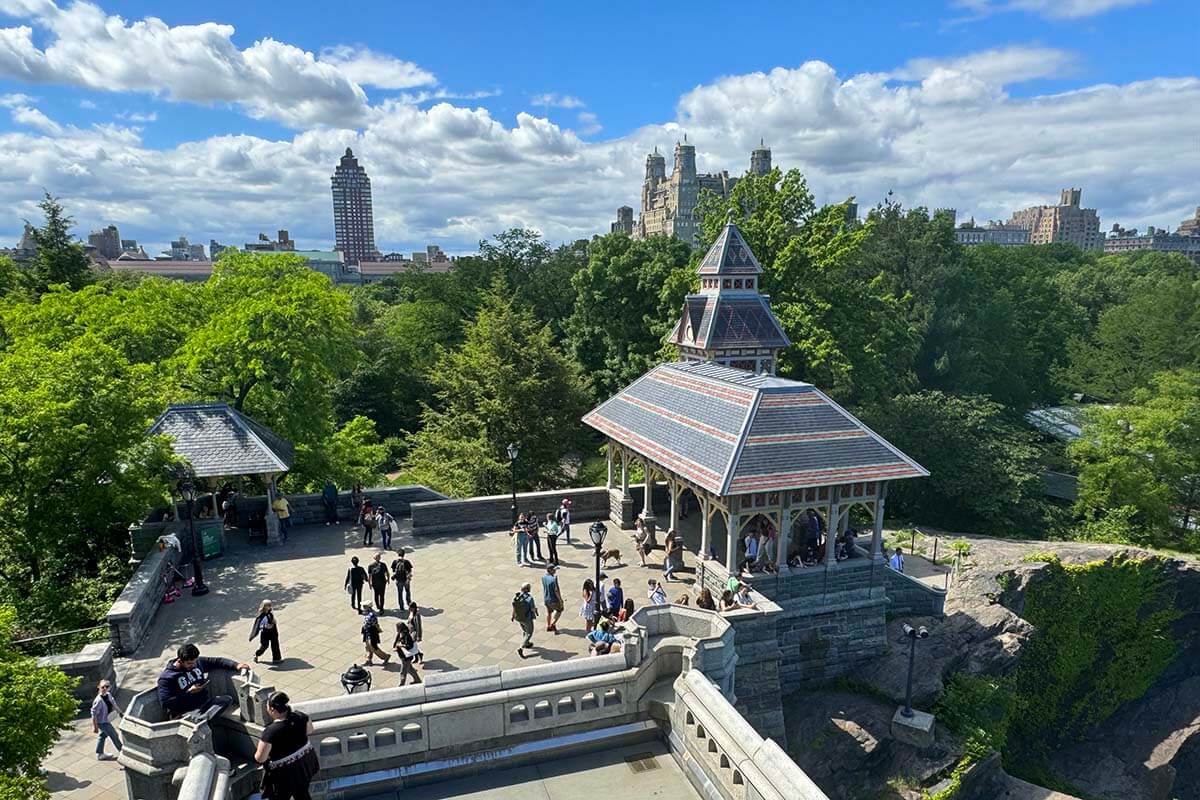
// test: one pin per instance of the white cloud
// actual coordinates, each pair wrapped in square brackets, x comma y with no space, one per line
[939,132]
[997,67]
[193,63]
[1051,9]
[87,104]
[556,100]
[589,124]
[368,68]
[24,115]
[138,116]
[16,99]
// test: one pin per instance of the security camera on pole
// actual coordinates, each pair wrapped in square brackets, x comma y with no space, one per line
[908,724]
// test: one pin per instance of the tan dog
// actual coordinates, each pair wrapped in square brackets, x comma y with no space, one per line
[611,555]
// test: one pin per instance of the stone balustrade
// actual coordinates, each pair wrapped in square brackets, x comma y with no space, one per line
[92,664]
[130,616]
[723,756]
[207,778]
[492,513]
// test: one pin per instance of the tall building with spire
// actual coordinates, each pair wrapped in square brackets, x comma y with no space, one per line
[353,217]
[669,202]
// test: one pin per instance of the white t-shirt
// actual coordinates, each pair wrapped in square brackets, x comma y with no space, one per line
[897,562]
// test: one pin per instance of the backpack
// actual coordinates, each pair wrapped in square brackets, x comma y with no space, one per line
[520,608]
[370,623]
[559,515]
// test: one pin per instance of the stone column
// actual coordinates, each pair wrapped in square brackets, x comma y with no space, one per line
[648,519]
[624,476]
[877,536]
[783,534]
[625,502]
[673,488]
[705,511]
[731,535]
[833,527]
[608,482]
[273,537]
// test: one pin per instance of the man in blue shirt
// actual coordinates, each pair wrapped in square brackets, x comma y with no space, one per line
[616,597]
[896,562]
[552,598]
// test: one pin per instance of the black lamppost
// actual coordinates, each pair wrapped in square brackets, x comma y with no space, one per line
[597,533]
[913,634]
[514,450]
[188,490]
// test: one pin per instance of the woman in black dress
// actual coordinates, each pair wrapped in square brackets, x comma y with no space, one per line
[289,761]
[266,631]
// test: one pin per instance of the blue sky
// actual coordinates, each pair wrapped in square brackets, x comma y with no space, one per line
[473,117]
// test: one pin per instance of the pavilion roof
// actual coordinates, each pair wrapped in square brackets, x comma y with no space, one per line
[735,432]
[729,255]
[722,321]
[219,441]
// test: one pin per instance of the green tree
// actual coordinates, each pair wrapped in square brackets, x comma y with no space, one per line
[1157,328]
[35,705]
[75,466]
[629,295]
[59,259]
[1141,461]
[983,468]
[508,383]
[354,454]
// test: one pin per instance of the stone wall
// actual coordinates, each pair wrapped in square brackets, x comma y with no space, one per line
[909,596]
[310,508]
[92,664]
[481,514]
[130,616]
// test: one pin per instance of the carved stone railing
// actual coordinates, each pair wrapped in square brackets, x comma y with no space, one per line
[466,721]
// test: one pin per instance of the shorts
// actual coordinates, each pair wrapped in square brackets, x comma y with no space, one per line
[554,606]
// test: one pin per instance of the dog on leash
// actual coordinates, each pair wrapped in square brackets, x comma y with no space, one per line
[611,555]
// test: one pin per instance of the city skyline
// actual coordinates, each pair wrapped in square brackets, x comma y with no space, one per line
[980,106]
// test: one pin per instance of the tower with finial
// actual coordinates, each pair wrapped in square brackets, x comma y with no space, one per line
[729,321]
[760,159]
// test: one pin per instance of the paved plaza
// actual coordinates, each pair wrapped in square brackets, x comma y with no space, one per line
[464,585]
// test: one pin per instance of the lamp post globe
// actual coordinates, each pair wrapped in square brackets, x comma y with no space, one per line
[188,490]
[596,533]
[514,450]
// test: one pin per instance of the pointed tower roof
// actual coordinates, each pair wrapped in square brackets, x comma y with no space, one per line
[729,255]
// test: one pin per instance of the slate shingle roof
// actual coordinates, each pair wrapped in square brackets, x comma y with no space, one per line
[721,321]
[735,432]
[219,441]
[729,255]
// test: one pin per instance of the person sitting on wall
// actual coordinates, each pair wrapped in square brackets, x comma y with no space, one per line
[601,641]
[846,550]
[183,684]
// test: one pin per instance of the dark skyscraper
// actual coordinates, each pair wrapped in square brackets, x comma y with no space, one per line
[353,219]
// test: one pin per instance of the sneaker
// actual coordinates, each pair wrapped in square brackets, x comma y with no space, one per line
[521,652]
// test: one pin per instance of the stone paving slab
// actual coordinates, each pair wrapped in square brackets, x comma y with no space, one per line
[464,585]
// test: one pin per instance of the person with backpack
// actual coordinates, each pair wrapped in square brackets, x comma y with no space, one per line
[377,576]
[370,637]
[414,625]
[387,526]
[402,570]
[356,576]
[563,517]
[369,522]
[524,613]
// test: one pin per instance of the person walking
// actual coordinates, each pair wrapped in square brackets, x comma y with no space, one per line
[402,570]
[369,523]
[387,526]
[670,557]
[602,595]
[406,647]
[415,625]
[751,545]
[356,502]
[370,636]
[535,541]
[268,634]
[282,510]
[377,576]
[518,531]
[103,708]
[552,533]
[356,576]
[289,760]
[896,562]
[552,598]
[639,540]
[329,500]
[563,515]
[588,609]
[524,613]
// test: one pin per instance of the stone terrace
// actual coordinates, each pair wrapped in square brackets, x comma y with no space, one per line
[464,585]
